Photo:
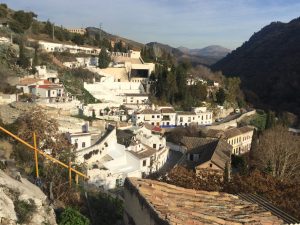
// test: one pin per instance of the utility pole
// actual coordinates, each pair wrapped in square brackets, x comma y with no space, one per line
[100,32]
[53,31]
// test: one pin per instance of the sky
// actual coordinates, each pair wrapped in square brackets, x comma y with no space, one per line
[188,23]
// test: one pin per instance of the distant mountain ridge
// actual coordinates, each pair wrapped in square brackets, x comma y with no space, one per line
[212,51]
[269,66]
[208,56]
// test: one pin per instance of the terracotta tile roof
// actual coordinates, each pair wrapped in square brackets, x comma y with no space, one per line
[148,126]
[47,86]
[215,150]
[237,131]
[149,111]
[185,113]
[214,133]
[169,204]
[27,81]
[136,94]
[167,110]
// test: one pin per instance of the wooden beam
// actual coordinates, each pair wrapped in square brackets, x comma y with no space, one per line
[36,156]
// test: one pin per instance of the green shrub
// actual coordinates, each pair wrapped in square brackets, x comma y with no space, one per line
[72,217]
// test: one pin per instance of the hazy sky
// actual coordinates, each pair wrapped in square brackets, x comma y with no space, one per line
[189,23]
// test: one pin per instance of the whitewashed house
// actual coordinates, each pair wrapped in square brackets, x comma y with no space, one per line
[198,116]
[168,117]
[150,116]
[47,92]
[58,47]
[109,163]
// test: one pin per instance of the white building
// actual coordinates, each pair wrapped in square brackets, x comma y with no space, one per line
[48,92]
[240,138]
[80,140]
[74,49]
[150,116]
[110,91]
[109,162]
[135,99]
[198,116]
[167,117]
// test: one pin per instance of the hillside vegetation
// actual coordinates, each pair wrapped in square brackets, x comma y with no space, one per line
[268,65]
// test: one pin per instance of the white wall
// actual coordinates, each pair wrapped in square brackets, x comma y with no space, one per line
[83,141]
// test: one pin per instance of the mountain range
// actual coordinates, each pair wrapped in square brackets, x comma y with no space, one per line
[269,66]
[212,51]
[205,56]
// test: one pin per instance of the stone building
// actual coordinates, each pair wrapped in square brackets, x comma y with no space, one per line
[151,202]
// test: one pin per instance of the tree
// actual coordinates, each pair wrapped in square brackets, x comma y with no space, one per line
[25,19]
[35,27]
[199,91]
[104,59]
[172,87]
[181,82]
[23,60]
[270,120]
[279,151]
[46,129]
[233,88]
[78,39]
[3,11]
[35,61]
[48,138]
[221,96]
[48,28]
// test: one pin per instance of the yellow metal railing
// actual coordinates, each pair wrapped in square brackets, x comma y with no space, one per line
[38,151]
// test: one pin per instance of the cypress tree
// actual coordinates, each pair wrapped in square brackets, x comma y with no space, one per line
[104,59]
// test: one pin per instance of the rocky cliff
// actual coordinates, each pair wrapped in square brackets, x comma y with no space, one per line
[23,202]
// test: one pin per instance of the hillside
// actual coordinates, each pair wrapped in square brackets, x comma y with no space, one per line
[133,44]
[268,65]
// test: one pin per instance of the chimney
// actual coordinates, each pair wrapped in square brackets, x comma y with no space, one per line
[85,127]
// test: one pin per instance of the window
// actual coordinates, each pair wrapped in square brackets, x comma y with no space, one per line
[191,157]
[210,165]
[144,162]
[189,119]
[83,144]
[154,145]
[158,116]
[153,116]
[180,119]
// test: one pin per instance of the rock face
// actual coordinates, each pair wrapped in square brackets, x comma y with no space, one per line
[20,199]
